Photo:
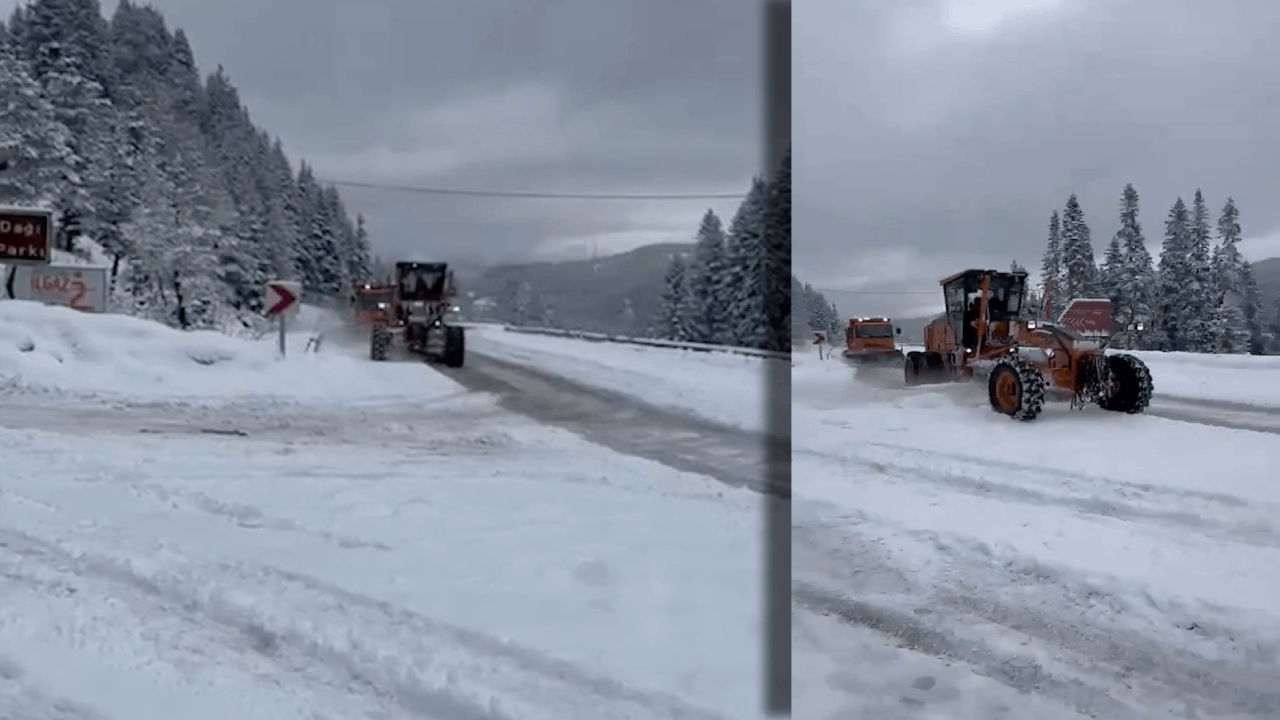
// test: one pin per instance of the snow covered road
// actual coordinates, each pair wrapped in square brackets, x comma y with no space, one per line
[949,563]
[234,539]
[1084,564]
[722,388]
[616,420]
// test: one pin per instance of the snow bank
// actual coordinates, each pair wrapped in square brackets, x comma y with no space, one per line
[58,350]
[1242,379]
[721,387]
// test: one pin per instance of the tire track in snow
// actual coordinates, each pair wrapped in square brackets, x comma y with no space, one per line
[20,700]
[1086,658]
[1214,515]
[131,622]
[442,672]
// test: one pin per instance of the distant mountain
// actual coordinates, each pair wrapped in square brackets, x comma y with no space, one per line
[615,294]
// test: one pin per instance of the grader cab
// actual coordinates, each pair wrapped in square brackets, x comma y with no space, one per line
[987,331]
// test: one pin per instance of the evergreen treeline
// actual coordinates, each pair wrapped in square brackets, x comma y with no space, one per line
[815,313]
[731,290]
[109,123]
[1200,297]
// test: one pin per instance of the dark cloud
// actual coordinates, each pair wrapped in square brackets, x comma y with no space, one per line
[635,96]
[923,151]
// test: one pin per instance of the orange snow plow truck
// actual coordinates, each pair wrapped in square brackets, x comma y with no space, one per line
[371,303]
[870,340]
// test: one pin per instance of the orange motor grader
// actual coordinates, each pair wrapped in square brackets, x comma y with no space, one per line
[986,331]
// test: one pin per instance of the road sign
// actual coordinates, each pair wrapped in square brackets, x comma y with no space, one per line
[79,287]
[1090,317]
[818,339]
[26,236]
[281,296]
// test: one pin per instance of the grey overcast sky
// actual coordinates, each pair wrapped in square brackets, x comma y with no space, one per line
[935,135]
[574,96]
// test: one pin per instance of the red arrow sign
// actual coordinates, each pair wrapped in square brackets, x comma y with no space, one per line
[281,296]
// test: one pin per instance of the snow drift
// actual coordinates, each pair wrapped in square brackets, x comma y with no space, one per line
[57,350]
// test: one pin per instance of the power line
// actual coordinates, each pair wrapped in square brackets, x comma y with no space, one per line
[532,195]
[877,292]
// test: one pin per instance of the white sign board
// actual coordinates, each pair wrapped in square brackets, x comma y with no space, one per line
[79,287]
[282,297]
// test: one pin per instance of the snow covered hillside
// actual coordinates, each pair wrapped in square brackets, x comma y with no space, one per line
[950,562]
[191,527]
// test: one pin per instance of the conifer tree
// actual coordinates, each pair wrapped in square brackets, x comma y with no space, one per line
[744,282]
[670,322]
[1051,269]
[1176,279]
[1203,332]
[1230,284]
[1079,271]
[777,254]
[1137,281]
[704,303]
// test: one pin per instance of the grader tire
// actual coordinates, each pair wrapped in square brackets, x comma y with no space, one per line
[455,346]
[935,367]
[1131,385]
[379,342]
[912,369]
[1016,389]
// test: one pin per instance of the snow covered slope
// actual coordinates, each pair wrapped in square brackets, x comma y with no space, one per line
[724,388]
[1121,565]
[192,528]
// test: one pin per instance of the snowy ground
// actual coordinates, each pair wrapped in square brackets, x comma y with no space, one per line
[949,562]
[722,387]
[190,527]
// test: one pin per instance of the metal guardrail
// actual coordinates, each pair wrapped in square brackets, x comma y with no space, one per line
[651,342]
